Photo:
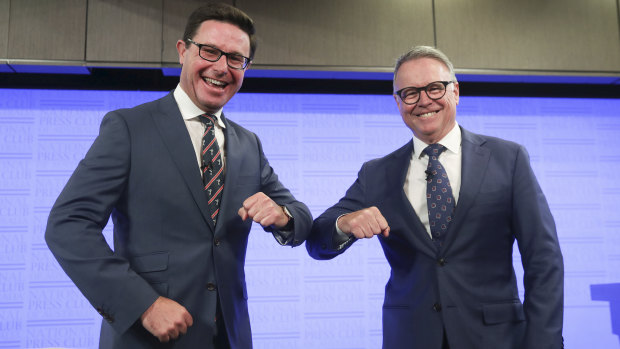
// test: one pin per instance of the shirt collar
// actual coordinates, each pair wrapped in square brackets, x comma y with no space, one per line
[452,142]
[189,110]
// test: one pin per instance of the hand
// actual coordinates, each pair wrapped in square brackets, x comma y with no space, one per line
[364,223]
[166,319]
[263,211]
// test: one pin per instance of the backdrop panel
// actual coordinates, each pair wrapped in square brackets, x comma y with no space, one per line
[317,144]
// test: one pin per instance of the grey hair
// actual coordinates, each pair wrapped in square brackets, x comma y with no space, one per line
[425,52]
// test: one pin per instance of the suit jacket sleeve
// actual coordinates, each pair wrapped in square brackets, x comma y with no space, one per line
[542,260]
[302,218]
[75,224]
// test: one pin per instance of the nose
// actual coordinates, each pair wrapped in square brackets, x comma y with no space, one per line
[221,66]
[424,99]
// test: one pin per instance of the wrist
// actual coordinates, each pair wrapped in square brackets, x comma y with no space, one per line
[289,224]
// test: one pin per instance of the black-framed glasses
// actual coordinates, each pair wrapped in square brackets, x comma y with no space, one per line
[435,90]
[213,54]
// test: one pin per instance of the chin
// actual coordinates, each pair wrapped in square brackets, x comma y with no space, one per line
[212,104]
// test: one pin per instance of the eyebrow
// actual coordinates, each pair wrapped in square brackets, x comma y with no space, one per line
[231,52]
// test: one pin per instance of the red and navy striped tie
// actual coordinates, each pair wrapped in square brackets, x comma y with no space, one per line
[212,166]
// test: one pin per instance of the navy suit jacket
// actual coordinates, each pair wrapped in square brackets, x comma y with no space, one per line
[468,288]
[142,170]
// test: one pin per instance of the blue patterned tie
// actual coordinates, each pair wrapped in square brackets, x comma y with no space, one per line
[438,195]
[212,166]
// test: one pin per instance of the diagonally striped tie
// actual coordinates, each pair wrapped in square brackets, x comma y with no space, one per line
[212,166]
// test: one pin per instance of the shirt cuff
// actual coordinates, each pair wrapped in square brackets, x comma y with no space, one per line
[340,238]
[285,235]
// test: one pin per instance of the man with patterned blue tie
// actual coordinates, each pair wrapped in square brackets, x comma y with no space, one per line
[447,208]
[183,185]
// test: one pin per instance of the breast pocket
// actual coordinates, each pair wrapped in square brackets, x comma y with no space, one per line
[245,181]
[244,187]
[491,206]
[493,197]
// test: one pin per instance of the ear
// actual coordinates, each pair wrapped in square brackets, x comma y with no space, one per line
[456,92]
[181,49]
[399,103]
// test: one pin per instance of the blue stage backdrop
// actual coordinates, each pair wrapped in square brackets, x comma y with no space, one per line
[316,143]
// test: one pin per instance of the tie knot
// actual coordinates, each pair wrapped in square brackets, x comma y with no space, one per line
[434,149]
[208,119]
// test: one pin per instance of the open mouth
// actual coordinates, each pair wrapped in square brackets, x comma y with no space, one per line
[427,115]
[214,82]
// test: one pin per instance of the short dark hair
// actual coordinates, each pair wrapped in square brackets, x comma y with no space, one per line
[224,13]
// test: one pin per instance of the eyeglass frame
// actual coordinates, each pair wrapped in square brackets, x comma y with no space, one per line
[222,53]
[425,89]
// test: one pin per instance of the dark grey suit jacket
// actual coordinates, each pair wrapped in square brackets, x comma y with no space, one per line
[142,171]
[468,288]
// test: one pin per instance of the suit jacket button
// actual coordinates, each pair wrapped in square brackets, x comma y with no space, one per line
[441,262]
[211,286]
[437,307]
[216,242]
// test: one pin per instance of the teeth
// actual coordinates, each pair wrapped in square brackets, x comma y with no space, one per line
[214,82]
[426,114]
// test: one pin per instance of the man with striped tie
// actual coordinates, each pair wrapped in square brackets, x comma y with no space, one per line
[183,184]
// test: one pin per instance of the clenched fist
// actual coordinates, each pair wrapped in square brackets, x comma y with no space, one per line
[166,319]
[364,223]
[264,211]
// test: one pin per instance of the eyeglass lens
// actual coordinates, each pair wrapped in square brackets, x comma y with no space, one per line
[213,54]
[434,90]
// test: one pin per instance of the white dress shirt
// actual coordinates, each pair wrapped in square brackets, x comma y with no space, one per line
[415,182]
[190,113]
[196,128]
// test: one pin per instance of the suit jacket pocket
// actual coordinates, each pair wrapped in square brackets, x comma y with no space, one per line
[497,197]
[245,180]
[157,261]
[149,267]
[503,312]
[244,187]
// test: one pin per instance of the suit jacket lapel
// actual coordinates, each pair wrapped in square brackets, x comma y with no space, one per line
[396,172]
[232,171]
[475,159]
[174,133]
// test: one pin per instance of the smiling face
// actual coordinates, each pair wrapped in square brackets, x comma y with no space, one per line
[429,120]
[210,85]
